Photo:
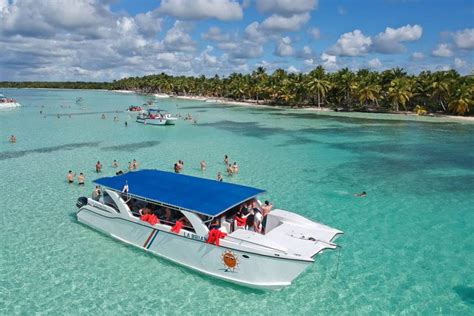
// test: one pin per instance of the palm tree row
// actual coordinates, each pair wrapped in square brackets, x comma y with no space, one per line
[390,90]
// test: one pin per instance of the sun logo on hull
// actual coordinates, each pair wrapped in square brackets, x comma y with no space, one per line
[230,260]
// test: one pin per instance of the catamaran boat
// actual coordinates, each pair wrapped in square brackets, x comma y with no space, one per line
[271,260]
[156,117]
[8,103]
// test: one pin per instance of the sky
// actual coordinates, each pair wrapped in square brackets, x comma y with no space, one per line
[104,40]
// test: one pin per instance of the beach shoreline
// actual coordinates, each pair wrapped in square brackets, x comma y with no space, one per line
[222,101]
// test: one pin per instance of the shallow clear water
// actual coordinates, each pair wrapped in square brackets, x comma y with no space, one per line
[408,246]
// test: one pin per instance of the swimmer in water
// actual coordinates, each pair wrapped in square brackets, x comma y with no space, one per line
[98,167]
[226,160]
[70,176]
[115,164]
[362,194]
[81,178]
[219,177]
[13,139]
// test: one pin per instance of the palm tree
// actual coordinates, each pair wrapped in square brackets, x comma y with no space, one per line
[317,84]
[399,93]
[369,92]
[463,100]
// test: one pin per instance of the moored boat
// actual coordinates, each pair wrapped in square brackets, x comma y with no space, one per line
[190,221]
[156,117]
[8,103]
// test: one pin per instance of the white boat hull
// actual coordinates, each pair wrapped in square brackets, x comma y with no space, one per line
[269,271]
[157,121]
[9,105]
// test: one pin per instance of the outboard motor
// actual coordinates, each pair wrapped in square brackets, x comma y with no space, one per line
[81,202]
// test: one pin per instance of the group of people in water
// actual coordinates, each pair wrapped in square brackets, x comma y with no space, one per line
[81,178]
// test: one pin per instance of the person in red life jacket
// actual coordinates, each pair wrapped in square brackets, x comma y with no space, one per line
[148,216]
[214,236]
[177,227]
[239,221]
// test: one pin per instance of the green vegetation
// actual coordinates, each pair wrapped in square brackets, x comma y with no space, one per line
[364,90]
[56,85]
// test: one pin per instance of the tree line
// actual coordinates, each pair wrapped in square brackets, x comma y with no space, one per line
[345,90]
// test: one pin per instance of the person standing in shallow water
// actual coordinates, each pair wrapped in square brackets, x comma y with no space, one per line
[98,167]
[219,177]
[13,139]
[81,178]
[126,124]
[70,176]
[115,164]
[203,165]
[226,160]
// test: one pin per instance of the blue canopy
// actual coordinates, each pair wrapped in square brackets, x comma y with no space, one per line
[204,196]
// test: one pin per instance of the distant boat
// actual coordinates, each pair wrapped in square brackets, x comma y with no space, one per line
[156,117]
[135,109]
[161,95]
[8,103]
[177,217]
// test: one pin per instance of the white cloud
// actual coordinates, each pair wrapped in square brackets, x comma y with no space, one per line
[214,34]
[351,44]
[148,23]
[308,62]
[374,63]
[279,23]
[177,38]
[286,7]
[459,63]
[442,50]
[329,61]
[390,41]
[284,48]
[292,69]
[225,10]
[464,39]
[417,56]
[315,33]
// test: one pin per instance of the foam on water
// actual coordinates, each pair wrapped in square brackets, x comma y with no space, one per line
[408,246]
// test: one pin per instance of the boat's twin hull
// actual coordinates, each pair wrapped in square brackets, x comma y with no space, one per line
[245,268]
[163,121]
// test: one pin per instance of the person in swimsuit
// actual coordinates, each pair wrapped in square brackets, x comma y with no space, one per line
[362,194]
[266,208]
[203,165]
[219,177]
[12,139]
[226,160]
[115,164]
[81,178]
[96,193]
[229,170]
[70,176]
[235,168]
[98,167]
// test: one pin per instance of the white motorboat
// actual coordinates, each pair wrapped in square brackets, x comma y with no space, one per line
[156,117]
[8,103]
[270,261]
[161,95]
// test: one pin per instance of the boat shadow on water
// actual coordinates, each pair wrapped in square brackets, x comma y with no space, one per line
[171,264]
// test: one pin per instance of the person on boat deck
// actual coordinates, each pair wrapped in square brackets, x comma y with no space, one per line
[266,208]
[12,139]
[219,177]
[81,178]
[70,176]
[239,221]
[96,194]
[125,187]
[203,165]
[235,168]
[226,160]
[98,167]
[115,164]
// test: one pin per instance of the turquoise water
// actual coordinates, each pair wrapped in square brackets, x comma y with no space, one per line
[408,246]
